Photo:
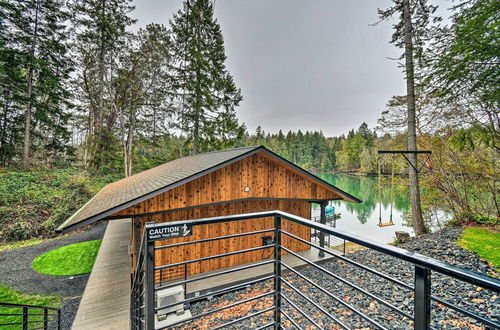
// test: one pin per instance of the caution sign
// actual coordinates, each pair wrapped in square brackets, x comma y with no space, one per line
[168,231]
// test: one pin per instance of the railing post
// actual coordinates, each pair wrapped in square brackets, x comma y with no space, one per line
[322,233]
[59,319]
[25,318]
[45,319]
[277,272]
[149,282]
[422,298]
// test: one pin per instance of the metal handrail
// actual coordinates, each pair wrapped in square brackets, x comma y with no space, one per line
[29,306]
[47,312]
[146,286]
[471,277]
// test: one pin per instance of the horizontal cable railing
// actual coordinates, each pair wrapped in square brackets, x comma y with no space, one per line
[285,288]
[20,316]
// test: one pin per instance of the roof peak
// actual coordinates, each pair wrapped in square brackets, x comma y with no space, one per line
[146,184]
[224,150]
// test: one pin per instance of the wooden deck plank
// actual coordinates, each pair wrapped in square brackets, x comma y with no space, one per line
[106,301]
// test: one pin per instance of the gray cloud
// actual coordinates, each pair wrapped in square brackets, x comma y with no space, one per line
[303,64]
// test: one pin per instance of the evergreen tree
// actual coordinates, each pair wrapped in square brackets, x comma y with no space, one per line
[259,133]
[11,86]
[34,50]
[100,41]
[205,91]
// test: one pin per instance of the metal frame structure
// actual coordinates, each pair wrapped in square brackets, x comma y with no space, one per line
[144,286]
[404,152]
[41,318]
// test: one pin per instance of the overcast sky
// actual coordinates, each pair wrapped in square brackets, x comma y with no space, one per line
[303,64]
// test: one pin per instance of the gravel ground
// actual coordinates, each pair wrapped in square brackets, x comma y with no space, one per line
[440,245]
[68,312]
[16,272]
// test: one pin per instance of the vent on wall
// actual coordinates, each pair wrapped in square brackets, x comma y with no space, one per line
[170,296]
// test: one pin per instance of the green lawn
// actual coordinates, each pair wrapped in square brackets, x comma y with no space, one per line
[485,242]
[74,259]
[9,295]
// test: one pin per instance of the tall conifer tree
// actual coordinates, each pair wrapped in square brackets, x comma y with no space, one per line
[204,90]
[100,41]
[34,41]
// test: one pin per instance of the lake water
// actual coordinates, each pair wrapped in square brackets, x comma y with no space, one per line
[362,219]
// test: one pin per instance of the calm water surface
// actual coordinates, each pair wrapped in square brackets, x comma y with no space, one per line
[362,219]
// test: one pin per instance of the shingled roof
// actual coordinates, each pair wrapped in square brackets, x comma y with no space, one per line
[144,185]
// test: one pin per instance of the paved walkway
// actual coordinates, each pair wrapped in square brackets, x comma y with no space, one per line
[106,301]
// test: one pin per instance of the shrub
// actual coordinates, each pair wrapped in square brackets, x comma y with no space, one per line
[33,203]
[463,218]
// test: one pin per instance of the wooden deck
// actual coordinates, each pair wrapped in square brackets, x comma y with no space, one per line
[106,301]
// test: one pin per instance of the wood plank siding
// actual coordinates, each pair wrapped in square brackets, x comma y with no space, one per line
[265,177]
[273,186]
[195,251]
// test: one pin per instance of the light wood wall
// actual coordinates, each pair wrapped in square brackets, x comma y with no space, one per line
[200,250]
[266,178]
[289,190]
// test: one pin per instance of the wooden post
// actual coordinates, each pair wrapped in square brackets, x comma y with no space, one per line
[321,233]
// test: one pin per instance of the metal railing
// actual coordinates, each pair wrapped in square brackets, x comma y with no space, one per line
[19,316]
[326,239]
[325,295]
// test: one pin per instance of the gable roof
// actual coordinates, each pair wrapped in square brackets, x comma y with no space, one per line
[123,193]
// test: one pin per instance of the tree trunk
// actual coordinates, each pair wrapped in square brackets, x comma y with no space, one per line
[124,143]
[130,139]
[196,132]
[27,116]
[97,143]
[416,211]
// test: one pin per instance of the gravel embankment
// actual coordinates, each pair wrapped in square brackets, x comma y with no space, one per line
[440,245]
[16,272]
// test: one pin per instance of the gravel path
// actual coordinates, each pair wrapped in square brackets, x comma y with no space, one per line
[440,245]
[16,272]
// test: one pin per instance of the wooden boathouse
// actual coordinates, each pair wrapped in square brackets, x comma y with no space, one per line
[221,183]
[217,198]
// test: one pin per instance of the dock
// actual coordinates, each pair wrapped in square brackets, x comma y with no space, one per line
[106,300]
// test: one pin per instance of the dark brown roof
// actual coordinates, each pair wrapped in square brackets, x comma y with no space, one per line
[144,185]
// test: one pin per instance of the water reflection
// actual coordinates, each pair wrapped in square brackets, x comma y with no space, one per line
[362,219]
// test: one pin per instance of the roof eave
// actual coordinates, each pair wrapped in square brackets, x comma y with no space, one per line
[348,196]
[122,206]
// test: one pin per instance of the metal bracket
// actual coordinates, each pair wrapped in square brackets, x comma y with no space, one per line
[404,152]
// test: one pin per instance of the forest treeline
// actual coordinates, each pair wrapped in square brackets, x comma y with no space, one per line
[82,86]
